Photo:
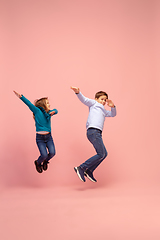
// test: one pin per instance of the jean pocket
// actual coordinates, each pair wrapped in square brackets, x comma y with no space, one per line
[91,135]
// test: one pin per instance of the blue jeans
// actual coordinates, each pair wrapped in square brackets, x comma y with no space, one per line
[44,143]
[95,137]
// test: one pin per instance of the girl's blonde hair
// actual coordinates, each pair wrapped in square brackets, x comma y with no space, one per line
[41,103]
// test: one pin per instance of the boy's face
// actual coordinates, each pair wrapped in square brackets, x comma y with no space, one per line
[102,99]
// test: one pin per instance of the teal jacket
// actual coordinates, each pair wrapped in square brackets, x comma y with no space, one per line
[42,119]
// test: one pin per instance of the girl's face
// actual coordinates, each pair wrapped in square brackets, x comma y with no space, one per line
[47,104]
[102,99]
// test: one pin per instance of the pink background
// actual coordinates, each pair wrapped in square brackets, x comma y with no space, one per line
[48,46]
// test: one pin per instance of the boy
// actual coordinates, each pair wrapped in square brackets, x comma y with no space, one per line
[94,125]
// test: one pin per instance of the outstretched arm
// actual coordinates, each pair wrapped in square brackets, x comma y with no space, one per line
[31,106]
[75,89]
[17,94]
[87,101]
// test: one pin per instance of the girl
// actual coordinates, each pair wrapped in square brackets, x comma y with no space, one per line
[42,115]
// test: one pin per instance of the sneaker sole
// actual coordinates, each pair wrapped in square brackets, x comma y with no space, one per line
[76,170]
[90,178]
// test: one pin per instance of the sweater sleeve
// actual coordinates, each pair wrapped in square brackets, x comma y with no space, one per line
[88,102]
[31,106]
[111,113]
[55,110]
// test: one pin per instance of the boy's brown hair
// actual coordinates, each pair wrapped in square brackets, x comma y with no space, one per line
[101,93]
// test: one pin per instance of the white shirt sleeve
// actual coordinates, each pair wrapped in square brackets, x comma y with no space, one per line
[111,113]
[88,102]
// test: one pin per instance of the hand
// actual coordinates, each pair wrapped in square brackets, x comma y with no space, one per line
[75,89]
[110,103]
[52,113]
[17,94]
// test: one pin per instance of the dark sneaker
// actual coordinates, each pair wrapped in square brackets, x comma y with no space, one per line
[45,165]
[80,173]
[38,167]
[89,175]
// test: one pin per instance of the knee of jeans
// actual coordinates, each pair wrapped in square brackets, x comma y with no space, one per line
[103,155]
[44,156]
[52,154]
[106,153]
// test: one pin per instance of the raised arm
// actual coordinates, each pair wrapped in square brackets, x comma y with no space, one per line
[87,101]
[31,106]
[17,94]
[110,103]
[113,112]
[75,89]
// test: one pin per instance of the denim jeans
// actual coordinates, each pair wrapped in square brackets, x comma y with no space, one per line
[95,137]
[46,147]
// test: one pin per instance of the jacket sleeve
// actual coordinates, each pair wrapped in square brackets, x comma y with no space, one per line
[31,106]
[88,102]
[111,113]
